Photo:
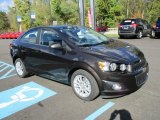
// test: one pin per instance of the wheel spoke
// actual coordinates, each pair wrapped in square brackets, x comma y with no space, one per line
[19,68]
[82,86]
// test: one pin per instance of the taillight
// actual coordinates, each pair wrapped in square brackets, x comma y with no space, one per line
[134,25]
[119,25]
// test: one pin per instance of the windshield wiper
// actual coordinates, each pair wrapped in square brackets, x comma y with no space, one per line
[104,42]
[86,45]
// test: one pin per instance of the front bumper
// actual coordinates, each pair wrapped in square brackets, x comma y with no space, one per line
[127,82]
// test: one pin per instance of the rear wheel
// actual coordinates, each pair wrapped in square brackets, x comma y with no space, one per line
[20,68]
[139,34]
[84,85]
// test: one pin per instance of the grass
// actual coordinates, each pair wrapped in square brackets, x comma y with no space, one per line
[111,35]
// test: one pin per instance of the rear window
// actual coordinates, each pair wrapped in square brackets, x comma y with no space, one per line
[128,22]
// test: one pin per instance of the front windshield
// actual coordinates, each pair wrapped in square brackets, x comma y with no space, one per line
[82,36]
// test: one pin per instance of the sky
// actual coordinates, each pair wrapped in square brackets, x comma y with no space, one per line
[4,5]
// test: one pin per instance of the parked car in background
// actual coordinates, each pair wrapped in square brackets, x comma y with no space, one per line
[90,62]
[156,29]
[101,28]
[134,28]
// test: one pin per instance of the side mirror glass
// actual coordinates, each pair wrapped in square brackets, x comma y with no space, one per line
[56,45]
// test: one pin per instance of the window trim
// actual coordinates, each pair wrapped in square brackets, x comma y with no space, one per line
[40,36]
[38,33]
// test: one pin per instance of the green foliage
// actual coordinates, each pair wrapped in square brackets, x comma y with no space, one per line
[4,23]
[153,10]
[66,12]
[108,12]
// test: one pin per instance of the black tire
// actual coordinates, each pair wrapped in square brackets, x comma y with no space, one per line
[121,37]
[140,34]
[94,86]
[25,73]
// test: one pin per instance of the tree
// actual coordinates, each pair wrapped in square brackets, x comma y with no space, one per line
[22,8]
[4,23]
[65,12]
[152,10]
[108,12]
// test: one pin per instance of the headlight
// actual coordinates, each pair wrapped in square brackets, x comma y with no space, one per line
[113,67]
[107,66]
[104,66]
[129,68]
[123,67]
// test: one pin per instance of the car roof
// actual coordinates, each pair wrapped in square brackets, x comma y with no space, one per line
[54,26]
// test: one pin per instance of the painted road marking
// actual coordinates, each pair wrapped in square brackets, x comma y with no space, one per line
[9,70]
[23,96]
[101,110]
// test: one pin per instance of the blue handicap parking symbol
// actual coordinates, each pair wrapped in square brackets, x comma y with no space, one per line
[6,70]
[18,98]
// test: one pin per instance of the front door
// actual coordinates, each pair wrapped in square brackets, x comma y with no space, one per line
[53,63]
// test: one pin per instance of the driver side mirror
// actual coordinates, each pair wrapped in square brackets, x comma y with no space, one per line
[56,45]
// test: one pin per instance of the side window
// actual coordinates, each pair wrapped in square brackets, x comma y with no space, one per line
[141,22]
[30,37]
[48,37]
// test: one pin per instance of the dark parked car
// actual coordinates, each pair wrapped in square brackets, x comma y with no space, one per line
[134,28]
[156,30]
[88,61]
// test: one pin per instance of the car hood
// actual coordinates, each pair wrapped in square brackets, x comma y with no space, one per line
[117,51]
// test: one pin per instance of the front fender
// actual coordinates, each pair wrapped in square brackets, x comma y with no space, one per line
[86,67]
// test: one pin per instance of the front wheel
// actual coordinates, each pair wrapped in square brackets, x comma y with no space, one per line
[84,85]
[153,34]
[20,68]
[139,34]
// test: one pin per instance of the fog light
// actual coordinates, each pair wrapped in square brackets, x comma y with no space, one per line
[116,86]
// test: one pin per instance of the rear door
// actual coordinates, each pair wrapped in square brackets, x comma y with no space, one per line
[29,48]
[146,26]
[145,29]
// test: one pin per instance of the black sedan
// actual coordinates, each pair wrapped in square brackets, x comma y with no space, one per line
[78,56]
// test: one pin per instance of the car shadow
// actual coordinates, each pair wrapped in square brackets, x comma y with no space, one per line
[123,115]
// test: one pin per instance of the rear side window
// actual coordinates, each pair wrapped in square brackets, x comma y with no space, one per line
[128,22]
[48,37]
[30,37]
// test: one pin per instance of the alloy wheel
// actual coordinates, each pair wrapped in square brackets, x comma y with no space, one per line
[19,68]
[82,86]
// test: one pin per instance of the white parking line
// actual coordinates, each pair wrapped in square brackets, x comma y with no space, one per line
[8,68]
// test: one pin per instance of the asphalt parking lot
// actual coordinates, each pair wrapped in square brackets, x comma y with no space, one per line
[62,103]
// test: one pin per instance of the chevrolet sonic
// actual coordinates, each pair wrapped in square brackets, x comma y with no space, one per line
[90,62]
